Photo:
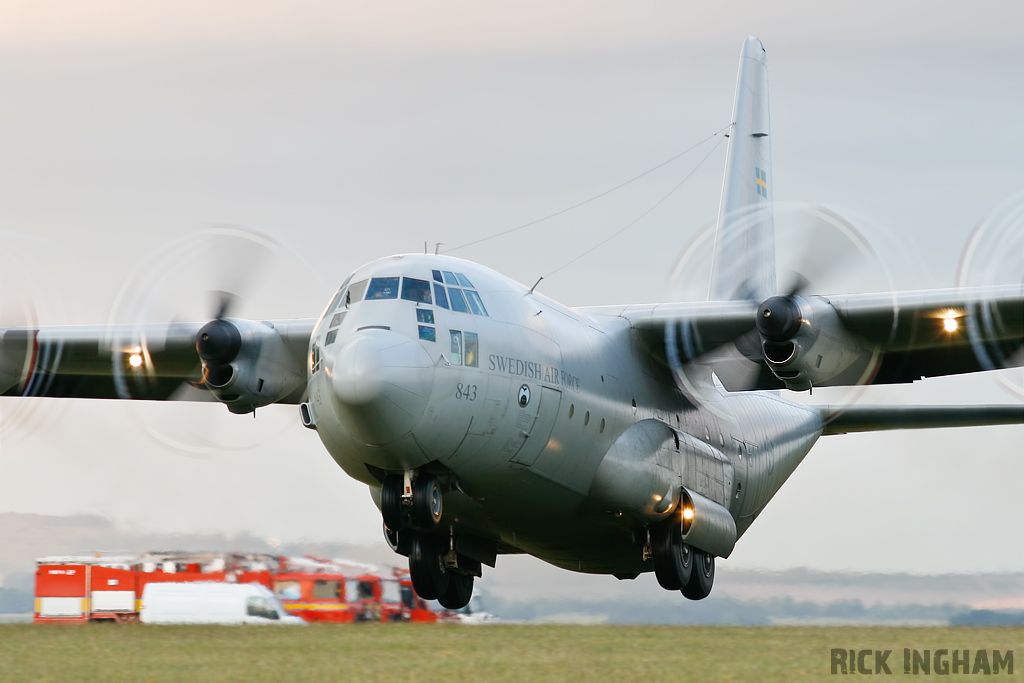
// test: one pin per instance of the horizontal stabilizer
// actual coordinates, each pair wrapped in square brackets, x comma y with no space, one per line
[843,420]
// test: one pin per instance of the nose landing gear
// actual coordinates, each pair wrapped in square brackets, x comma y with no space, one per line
[418,503]
[412,510]
[439,573]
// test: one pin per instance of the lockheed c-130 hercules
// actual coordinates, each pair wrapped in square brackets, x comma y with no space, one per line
[487,419]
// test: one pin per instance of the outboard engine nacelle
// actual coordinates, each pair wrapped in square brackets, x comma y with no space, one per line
[247,365]
[806,345]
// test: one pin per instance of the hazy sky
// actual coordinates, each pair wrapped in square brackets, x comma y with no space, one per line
[353,130]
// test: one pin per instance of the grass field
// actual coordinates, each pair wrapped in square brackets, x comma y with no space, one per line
[401,652]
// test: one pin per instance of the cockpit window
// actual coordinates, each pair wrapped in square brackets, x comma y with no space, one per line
[439,296]
[458,301]
[463,280]
[475,303]
[449,278]
[355,292]
[437,275]
[416,290]
[382,288]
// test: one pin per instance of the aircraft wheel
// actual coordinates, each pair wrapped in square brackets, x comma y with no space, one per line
[702,578]
[673,559]
[429,576]
[427,501]
[399,541]
[391,501]
[460,590]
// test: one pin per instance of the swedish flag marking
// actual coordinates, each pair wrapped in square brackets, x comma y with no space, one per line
[762,182]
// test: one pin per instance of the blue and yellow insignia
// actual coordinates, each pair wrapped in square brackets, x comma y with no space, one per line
[762,182]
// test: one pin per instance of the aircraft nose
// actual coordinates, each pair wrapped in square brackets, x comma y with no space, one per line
[381,382]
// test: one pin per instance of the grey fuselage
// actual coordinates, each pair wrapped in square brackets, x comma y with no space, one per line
[566,439]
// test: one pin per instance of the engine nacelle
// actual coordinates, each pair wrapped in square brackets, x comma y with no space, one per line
[806,345]
[248,365]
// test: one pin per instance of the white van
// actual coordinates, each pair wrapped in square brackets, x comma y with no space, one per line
[208,602]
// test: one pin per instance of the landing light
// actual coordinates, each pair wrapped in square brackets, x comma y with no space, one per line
[687,513]
[950,324]
[135,360]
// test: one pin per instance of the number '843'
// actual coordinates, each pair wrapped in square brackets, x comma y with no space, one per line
[466,391]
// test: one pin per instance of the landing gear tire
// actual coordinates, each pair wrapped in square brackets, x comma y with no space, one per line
[391,501]
[702,578]
[673,559]
[399,540]
[427,502]
[430,577]
[460,590]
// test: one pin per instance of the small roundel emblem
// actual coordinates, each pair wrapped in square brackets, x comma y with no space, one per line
[524,396]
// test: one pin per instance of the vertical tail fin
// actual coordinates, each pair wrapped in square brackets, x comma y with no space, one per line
[744,259]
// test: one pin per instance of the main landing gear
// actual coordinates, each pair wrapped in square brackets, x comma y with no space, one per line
[677,566]
[412,511]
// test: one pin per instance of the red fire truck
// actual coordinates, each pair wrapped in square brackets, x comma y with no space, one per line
[101,586]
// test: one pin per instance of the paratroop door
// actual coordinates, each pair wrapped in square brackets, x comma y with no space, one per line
[535,425]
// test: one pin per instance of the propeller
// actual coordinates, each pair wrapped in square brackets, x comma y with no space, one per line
[994,255]
[34,290]
[818,251]
[213,274]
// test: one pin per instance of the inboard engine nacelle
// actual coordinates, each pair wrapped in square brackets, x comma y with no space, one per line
[806,345]
[248,364]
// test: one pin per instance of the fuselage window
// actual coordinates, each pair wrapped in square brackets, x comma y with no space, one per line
[382,288]
[475,303]
[440,298]
[331,336]
[437,275]
[458,301]
[449,278]
[416,290]
[472,349]
[425,315]
[427,333]
[355,292]
[456,358]
[463,280]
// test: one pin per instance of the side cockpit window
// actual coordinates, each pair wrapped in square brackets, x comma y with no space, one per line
[355,292]
[460,293]
[439,296]
[458,301]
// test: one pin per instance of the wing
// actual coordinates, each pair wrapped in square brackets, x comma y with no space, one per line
[838,340]
[143,362]
[910,329]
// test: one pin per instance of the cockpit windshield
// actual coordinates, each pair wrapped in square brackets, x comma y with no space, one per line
[456,296]
[382,288]
[416,290]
